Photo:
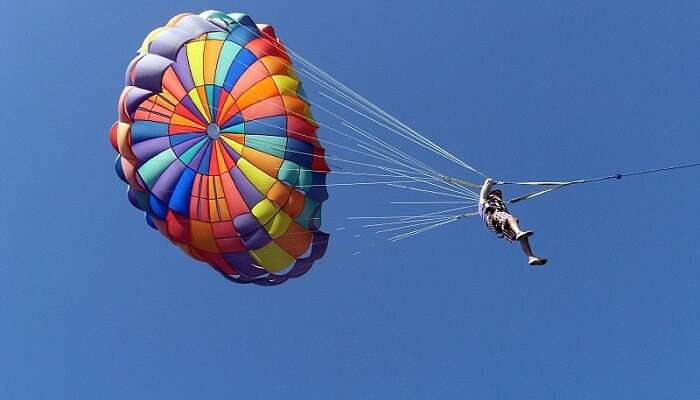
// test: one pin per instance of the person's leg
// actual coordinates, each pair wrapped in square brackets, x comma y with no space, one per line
[514,227]
[531,258]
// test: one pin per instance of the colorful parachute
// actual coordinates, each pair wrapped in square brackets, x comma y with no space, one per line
[219,149]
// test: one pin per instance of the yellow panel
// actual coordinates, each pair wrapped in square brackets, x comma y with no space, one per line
[210,186]
[211,58]
[265,210]
[194,95]
[205,102]
[237,147]
[272,257]
[286,85]
[259,179]
[278,225]
[195,57]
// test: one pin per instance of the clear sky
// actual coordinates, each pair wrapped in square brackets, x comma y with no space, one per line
[95,305]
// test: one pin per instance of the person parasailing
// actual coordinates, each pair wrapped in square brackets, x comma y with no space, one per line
[493,210]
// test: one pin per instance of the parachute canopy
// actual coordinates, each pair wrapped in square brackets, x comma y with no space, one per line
[219,149]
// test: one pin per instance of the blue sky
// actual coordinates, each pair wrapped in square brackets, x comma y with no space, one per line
[93,304]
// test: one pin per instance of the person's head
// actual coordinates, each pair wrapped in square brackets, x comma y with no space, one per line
[496,193]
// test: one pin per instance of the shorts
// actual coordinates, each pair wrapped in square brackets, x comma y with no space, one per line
[498,223]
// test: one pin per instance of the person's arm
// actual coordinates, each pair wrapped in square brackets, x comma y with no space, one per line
[485,190]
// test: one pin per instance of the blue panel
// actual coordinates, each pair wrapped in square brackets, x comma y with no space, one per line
[242,34]
[120,171]
[149,221]
[299,152]
[272,126]
[235,120]
[204,165]
[145,130]
[158,207]
[177,139]
[318,191]
[180,199]
[240,64]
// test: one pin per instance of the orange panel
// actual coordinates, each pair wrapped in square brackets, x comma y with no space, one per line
[295,204]
[263,161]
[212,48]
[280,193]
[295,241]
[254,74]
[202,236]
[276,65]
[259,92]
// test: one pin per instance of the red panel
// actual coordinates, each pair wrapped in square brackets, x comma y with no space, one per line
[173,84]
[267,108]
[319,161]
[178,227]
[230,245]
[265,47]
[299,128]
[234,201]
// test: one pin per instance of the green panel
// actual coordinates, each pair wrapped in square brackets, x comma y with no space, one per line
[187,156]
[217,35]
[151,170]
[273,145]
[307,213]
[305,179]
[289,172]
[210,100]
[240,128]
[229,51]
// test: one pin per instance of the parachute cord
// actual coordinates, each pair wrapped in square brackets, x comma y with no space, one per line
[559,185]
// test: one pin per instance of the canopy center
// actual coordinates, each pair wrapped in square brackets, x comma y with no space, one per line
[213,131]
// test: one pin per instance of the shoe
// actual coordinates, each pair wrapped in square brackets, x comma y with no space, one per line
[524,235]
[536,261]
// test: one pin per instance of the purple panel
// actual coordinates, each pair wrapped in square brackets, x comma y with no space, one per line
[169,42]
[246,223]
[197,25]
[134,98]
[250,194]
[149,72]
[197,160]
[147,149]
[165,185]
[235,156]
[182,70]
[256,239]
[244,264]
[131,194]
[127,76]
[181,148]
